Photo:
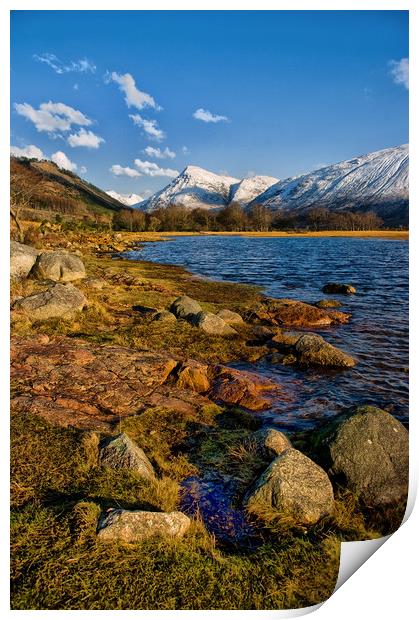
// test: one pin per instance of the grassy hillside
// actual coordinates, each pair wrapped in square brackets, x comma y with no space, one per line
[42,189]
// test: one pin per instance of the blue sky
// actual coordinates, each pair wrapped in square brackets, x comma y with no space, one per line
[143,94]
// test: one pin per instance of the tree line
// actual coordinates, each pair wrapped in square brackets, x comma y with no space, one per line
[234,218]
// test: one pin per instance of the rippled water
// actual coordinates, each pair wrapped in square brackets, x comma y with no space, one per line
[297,268]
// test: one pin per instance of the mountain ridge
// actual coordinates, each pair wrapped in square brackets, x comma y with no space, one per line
[375,181]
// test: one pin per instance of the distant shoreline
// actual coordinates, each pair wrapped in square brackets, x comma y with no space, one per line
[387,234]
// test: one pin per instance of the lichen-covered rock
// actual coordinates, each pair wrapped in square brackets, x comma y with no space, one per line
[294,488]
[59,266]
[164,316]
[59,301]
[229,317]
[270,442]
[337,288]
[130,526]
[212,325]
[121,452]
[369,449]
[312,349]
[22,259]
[185,307]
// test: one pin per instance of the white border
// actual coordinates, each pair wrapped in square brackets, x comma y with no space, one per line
[386,585]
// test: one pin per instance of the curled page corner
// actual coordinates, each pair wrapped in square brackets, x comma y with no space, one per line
[354,554]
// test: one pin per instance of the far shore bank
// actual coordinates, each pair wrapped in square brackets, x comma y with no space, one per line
[388,234]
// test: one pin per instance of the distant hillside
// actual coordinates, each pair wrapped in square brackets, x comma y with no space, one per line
[43,186]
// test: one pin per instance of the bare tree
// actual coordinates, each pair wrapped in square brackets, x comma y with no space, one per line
[21,195]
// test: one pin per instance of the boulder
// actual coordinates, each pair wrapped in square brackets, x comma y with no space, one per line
[212,324]
[368,449]
[312,349]
[285,339]
[59,301]
[121,452]
[59,266]
[164,316]
[336,288]
[22,259]
[328,303]
[229,317]
[130,526]
[294,488]
[185,307]
[270,442]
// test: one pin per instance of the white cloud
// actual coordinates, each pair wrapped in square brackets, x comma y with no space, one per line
[120,171]
[150,127]
[133,97]
[31,151]
[208,117]
[83,170]
[85,138]
[185,150]
[52,117]
[151,169]
[78,66]
[399,70]
[76,86]
[158,153]
[63,161]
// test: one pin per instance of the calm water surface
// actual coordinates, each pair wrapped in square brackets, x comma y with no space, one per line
[298,268]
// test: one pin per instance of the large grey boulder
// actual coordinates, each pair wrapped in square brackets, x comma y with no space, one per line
[121,452]
[270,442]
[131,526]
[59,301]
[342,289]
[369,449]
[294,488]
[59,266]
[185,307]
[22,259]
[212,324]
[229,317]
[312,349]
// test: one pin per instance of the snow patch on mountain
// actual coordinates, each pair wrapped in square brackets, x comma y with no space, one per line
[127,199]
[193,188]
[247,189]
[379,178]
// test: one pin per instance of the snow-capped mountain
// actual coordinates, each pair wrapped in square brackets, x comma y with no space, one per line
[250,187]
[193,188]
[378,180]
[126,199]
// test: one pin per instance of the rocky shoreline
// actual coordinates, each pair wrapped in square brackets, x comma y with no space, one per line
[86,357]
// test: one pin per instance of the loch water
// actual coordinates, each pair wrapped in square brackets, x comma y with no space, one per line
[297,268]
